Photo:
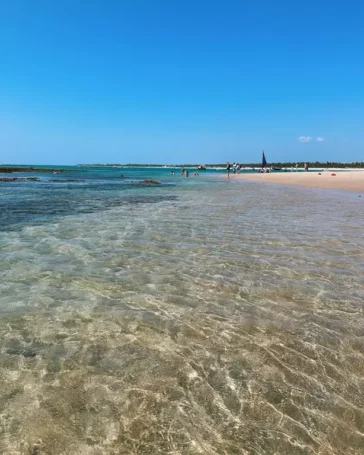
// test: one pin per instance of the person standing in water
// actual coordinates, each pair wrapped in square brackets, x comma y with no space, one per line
[228,168]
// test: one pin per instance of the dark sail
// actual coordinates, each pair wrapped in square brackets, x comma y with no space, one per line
[264,161]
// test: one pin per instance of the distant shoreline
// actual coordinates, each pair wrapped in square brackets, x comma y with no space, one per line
[7,169]
[284,167]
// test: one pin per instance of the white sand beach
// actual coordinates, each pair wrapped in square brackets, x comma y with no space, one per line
[330,179]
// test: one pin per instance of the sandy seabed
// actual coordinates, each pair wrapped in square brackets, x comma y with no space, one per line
[200,318]
[340,180]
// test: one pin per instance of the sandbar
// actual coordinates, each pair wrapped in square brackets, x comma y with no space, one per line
[342,180]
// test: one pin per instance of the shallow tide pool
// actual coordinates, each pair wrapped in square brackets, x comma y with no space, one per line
[199,316]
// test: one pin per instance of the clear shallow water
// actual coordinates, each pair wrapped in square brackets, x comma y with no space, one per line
[195,317]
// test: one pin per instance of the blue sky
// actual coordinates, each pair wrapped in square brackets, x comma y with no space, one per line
[151,81]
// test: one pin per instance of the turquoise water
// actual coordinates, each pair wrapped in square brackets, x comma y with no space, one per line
[198,316]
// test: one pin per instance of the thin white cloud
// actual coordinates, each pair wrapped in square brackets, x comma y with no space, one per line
[305,138]
[320,139]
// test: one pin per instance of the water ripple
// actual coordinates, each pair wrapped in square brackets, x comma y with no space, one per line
[214,322]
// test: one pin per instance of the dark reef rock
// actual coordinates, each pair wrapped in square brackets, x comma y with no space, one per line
[65,180]
[10,170]
[151,182]
[36,179]
[19,179]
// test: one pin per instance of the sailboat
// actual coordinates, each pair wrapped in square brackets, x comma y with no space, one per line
[264,161]
[265,164]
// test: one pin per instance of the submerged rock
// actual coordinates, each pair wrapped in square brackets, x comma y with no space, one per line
[65,180]
[151,182]
[19,179]
[36,179]
[10,170]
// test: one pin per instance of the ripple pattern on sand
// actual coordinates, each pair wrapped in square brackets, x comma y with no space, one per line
[209,322]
